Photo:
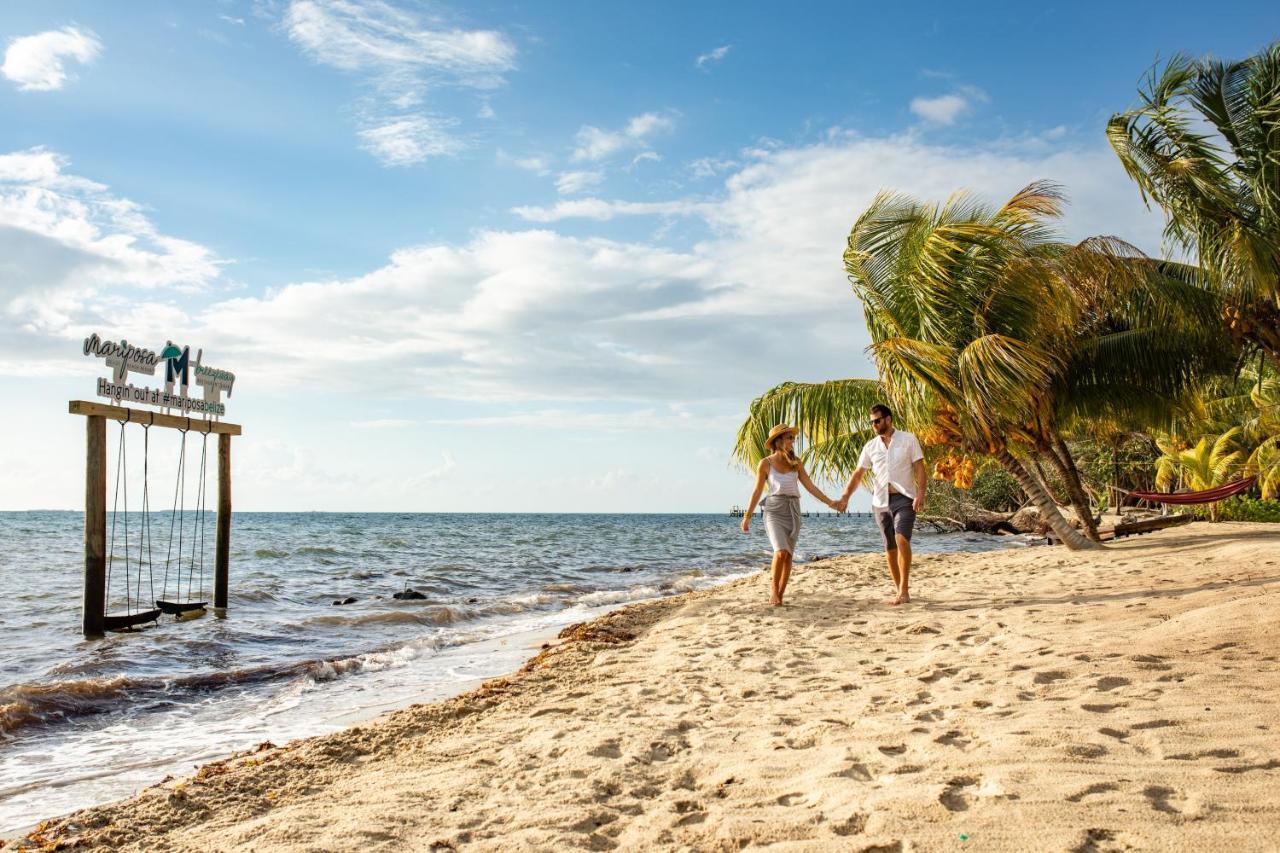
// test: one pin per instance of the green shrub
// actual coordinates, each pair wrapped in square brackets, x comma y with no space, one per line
[995,489]
[1243,509]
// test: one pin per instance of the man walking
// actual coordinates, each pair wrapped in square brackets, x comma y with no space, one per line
[896,462]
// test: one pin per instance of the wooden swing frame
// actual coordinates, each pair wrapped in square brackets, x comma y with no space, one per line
[96,416]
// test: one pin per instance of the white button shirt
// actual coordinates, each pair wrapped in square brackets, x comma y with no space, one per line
[890,465]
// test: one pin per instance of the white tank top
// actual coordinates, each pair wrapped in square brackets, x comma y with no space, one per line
[784,484]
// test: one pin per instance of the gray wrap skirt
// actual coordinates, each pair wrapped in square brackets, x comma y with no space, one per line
[782,521]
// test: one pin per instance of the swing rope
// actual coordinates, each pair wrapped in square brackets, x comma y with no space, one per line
[200,516]
[179,481]
[115,513]
[146,513]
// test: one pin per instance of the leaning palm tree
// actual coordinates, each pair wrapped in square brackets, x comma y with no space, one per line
[1205,146]
[992,339]
[966,313]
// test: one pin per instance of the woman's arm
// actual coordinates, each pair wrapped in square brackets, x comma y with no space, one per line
[762,476]
[814,490]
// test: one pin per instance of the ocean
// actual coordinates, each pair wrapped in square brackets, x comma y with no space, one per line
[88,721]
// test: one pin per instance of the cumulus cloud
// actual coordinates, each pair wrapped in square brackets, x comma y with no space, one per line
[594,144]
[71,253]
[37,63]
[399,57]
[711,56]
[539,315]
[945,109]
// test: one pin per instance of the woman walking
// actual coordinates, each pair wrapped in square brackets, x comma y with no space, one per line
[784,473]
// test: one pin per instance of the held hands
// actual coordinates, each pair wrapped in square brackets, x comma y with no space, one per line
[841,505]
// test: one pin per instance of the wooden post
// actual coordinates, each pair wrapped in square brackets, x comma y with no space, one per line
[95,526]
[221,561]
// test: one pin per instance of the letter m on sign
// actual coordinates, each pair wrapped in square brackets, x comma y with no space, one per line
[177,365]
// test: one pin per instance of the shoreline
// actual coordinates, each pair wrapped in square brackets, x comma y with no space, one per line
[1001,698]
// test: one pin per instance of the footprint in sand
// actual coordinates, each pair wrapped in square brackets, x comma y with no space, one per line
[856,770]
[854,824]
[1102,709]
[953,738]
[957,796]
[1111,682]
[896,749]
[1154,724]
[938,674]
[1208,753]
[1168,800]
[1049,677]
[1096,788]
[1101,841]
[1086,750]
[608,749]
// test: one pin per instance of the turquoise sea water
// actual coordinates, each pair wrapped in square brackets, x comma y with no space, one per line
[84,721]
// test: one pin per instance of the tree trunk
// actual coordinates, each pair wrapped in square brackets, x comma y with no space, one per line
[1075,489]
[1070,537]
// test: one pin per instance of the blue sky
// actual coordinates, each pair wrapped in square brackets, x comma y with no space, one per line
[507,257]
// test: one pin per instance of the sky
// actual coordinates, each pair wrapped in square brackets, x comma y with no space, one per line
[510,257]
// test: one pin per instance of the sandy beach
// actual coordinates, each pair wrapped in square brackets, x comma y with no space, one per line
[1033,698]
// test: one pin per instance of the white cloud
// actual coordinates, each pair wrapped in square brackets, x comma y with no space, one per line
[409,140]
[944,109]
[569,183]
[383,423]
[709,167]
[239,22]
[602,211]
[72,253]
[538,315]
[715,55]
[594,144]
[379,37]
[534,163]
[36,63]
[400,57]
[646,157]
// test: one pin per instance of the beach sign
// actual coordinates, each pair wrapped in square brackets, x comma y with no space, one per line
[179,368]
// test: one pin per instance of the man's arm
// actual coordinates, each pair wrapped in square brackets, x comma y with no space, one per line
[917,469]
[922,478]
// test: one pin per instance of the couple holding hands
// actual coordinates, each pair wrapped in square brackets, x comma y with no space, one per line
[894,461]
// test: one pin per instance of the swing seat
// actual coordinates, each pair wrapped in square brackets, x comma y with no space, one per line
[178,608]
[129,620]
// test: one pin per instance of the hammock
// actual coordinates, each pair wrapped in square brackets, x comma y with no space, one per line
[1208,496]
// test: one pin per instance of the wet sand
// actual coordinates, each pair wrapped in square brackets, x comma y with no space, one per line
[1028,699]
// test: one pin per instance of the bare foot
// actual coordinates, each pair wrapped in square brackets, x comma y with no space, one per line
[902,598]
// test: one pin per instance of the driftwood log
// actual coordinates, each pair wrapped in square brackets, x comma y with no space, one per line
[974,520]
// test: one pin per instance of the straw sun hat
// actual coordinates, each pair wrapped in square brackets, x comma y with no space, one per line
[778,432]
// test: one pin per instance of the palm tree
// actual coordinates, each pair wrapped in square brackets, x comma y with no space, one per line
[1211,462]
[1205,145]
[992,338]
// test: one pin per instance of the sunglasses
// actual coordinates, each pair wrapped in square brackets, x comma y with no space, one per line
[878,420]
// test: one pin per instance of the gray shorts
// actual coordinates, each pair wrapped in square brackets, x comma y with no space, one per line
[897,518]
[782,521]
